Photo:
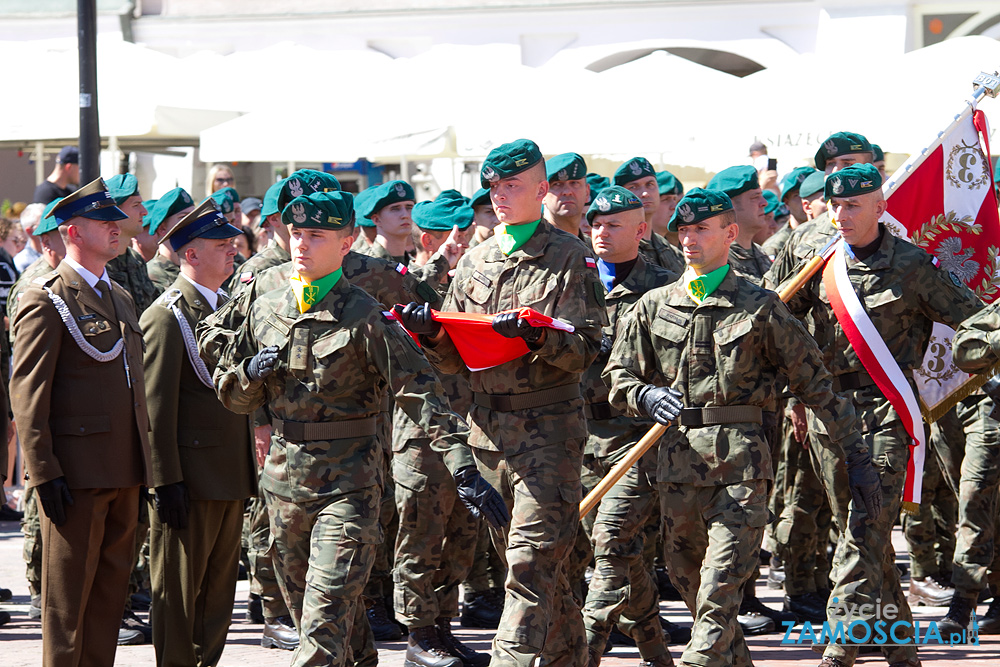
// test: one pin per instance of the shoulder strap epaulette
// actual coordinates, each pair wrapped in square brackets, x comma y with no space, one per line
[170,297]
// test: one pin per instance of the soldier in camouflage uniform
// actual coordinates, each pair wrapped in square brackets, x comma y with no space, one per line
[321,355]
[163,269]
[437,534]
[53,251]
[721,344]
[528,427]
[743,187]
[904,293]
[565,203]
[974,350]
[622,589]
[638,176]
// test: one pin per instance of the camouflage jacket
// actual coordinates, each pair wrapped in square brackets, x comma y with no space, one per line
[555,274]
[336,363]
[434,272]
[607,436]
[801,245]
[735,348]
[773,245]
[751,262]
[272,255]
[129,271]
[661,252]
[904,293]
[162,272]
[976,345]
[36,269]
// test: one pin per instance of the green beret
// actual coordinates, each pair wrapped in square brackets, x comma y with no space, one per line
[47,224]
[772,201]
[613,199]
[148,205]
[225,199]
[858,179]
[507,160]
[596,182]
[699,204]
[877,153]
[122,186]
[270,203]
[449,209]
[669,185]
[320,210]
[735,180]
[388,194]
[305,182]
[634,169]
[361,202]
[566,167]
[481,197]
[812,184]
[173,202]
[841,143]
[793,179]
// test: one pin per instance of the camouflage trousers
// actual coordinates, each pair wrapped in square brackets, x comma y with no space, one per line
[711,539]
[582,555]
[323,551]
[437,537]
[31,528]
[970,462]
[802,531]
[379,585]
[622,589]
[540,616]
[263,581]
[864,569]
[488,570]
[930,534]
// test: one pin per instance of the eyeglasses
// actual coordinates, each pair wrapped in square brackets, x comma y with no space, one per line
[224,179]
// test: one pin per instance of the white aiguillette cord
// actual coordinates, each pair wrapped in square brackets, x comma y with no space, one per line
[191,345]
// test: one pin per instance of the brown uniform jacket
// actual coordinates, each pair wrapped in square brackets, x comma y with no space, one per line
[194,438]
[78,417]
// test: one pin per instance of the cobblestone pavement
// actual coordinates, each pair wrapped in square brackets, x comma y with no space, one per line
[21,638]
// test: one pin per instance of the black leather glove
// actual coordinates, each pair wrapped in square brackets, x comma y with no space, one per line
[173,504]
[661,403]
[262,363]
[509,325]
[481,498]
[417,319]
[604,354]
[866,486]
[55,495]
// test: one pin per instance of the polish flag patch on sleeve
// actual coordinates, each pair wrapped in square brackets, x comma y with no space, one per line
[590,262]
[246,277]
[401,270]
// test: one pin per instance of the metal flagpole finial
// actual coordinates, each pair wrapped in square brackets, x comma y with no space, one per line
[990,83]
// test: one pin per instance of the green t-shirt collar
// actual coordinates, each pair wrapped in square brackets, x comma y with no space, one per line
[512,237]
[700,287]
[307,294]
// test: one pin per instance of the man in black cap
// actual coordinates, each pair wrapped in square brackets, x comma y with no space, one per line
[64,178]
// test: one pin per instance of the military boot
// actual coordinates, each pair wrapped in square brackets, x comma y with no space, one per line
[751,603]
[659,661]
[469,657]
[483,610]
[806,607]
[832,662]
[384,629]
[255,609]
[776,574]
[958,616]
[929,592]
[990,623]
[425,649]
[280,633]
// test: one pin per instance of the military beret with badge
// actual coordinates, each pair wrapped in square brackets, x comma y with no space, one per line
[596,182]
[270,204]
[206,221]
[611,200]
[508,160]
[122,186]
[320,210]
[481,198]
[793,179]
[361,202]
[841,143]
[169,204]
[735,180]
[633,170]
[226,199]
[812,184]
[305,182]
[853,181]
[566,167]
[699,204]
[449,209]
[388,194]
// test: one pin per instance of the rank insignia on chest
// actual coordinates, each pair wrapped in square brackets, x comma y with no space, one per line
[309,294]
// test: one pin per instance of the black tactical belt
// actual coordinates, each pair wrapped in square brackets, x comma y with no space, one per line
[306,431]
[725,414]
[527,400]
[600,410]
